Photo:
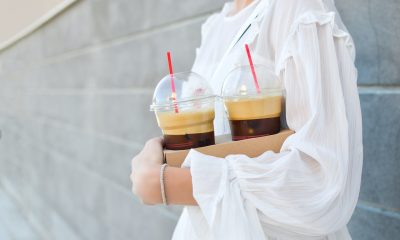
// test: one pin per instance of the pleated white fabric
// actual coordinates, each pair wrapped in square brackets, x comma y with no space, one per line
[310,189]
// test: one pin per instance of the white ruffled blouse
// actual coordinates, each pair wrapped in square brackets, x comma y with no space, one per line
[310,189]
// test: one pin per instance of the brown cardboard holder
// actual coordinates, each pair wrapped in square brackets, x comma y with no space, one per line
[224,146]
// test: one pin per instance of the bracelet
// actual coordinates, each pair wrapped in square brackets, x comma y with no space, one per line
[163,197]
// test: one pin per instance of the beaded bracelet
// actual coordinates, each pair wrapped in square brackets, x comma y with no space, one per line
[162,170]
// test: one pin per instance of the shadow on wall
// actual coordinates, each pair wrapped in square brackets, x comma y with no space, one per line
[18,19]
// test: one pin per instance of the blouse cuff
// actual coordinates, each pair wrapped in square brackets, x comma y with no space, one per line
[209,179]
[217,190]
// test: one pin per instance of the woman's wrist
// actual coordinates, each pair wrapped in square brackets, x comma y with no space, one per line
[177,185]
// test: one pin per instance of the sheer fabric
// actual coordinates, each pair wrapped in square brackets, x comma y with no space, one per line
[310,189]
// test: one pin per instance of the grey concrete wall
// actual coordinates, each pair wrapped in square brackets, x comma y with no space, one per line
[74,99]
[374,26]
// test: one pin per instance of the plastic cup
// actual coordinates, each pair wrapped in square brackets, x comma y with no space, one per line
[185,120]
[251,112]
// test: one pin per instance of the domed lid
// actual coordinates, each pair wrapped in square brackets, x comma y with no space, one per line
[190,87]
[240,82]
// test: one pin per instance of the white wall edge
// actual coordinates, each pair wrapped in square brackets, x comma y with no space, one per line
[36,24]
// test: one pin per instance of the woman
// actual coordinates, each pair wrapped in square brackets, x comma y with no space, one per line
[307,191]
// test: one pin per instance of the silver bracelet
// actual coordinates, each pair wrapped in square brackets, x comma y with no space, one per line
[162,170]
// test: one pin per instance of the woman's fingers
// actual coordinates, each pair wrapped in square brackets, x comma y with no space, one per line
[153,150]
[155,142]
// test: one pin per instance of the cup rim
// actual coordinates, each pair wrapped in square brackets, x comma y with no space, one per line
[264,92]
[183,103]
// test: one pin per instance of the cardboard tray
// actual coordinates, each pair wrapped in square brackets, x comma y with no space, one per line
[224,146]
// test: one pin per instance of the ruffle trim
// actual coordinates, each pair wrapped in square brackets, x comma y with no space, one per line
[319,18]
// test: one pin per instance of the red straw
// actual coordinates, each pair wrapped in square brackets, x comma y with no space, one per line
[171,73]
[252,68]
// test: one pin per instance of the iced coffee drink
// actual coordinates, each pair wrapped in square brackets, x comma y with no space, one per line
[188,129]
[253,110]
[253,116]
[185,119]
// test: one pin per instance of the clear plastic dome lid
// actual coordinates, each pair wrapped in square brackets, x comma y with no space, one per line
[240,82]
[191,91]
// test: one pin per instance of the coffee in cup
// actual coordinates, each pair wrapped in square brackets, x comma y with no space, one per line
[254,116]
[186,119]
[252,112]
[188,129]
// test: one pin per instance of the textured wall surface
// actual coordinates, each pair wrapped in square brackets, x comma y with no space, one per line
[74,99]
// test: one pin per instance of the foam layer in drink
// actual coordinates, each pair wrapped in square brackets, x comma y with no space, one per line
[186,122]
[253,108]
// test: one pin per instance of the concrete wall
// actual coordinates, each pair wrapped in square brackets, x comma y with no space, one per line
[74,99]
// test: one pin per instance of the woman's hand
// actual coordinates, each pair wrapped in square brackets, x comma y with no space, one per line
[145,177]
[145,174]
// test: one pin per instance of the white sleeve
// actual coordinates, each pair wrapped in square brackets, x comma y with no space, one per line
[311,187]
